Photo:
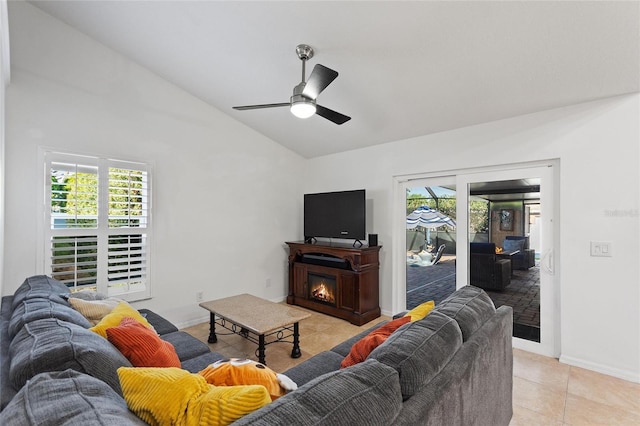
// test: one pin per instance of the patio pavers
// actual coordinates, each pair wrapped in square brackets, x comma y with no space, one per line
[438,281]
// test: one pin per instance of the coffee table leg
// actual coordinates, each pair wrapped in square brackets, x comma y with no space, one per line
[212,328]
[295,352]
[261,349]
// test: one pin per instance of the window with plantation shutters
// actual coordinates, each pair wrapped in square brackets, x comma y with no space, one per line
[98,224]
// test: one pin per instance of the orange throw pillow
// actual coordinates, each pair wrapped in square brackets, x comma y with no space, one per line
[363,347]
[141,345]
[237,371]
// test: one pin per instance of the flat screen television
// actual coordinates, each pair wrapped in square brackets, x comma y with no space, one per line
[335,215]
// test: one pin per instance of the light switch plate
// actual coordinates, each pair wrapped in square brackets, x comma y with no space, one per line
[600,249]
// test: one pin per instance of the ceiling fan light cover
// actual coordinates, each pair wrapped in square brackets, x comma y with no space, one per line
[303,108]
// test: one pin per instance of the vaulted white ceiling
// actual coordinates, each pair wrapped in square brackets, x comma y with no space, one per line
[406,68]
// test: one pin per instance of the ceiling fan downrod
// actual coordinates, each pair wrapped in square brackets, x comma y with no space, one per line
[305,52]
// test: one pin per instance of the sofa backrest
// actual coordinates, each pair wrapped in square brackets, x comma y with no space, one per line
[40,332]
[368,392]
[470,307]
[518,238]
[420,350]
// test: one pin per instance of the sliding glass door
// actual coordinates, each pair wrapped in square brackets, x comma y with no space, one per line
[500,238]
[510,248]
[430,240]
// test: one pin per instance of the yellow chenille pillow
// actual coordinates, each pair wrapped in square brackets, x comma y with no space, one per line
[94,310]
[421,310]
[116,315]
[163,396]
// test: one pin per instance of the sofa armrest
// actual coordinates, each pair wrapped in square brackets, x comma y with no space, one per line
[161,325]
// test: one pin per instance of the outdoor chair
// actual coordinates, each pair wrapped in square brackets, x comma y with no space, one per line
[486,270]
[526,258]
[427,260]
[438,255]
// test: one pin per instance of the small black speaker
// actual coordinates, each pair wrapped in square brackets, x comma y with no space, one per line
[373,240]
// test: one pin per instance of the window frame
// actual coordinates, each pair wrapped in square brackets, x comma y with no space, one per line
[104,232]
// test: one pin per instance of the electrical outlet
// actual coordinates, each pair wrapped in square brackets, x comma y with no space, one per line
[268,283]
[199,296]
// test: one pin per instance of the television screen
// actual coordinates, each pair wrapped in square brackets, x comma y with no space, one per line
[335,215]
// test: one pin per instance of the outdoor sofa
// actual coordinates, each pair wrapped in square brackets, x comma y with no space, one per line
[454,367]
[526,257]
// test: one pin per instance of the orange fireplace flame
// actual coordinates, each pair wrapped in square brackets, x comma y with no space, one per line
[321,292]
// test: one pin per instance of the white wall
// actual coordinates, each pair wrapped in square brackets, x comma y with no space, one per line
[597,144]
[71,93]
[225,198]
[4,81]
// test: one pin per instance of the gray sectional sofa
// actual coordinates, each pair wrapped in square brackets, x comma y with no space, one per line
[452,367]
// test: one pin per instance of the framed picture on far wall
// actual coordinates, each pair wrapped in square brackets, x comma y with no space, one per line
[506,220]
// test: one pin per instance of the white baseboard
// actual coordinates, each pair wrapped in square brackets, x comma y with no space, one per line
[630,376]
[194,321]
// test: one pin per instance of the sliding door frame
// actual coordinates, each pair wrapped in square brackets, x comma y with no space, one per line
[550,258]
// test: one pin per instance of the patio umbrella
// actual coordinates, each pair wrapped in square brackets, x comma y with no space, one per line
[429,219]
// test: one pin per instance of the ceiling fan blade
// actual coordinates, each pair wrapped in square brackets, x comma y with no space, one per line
[331,115]
[319,79]
[246,107]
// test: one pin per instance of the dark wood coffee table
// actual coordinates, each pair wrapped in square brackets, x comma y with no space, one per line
[257,320]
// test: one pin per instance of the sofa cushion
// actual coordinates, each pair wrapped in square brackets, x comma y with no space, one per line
[186,345]
[363,347]
[141,345]
[317,365]
[367,393]
[6,390]
[40,286]
[54,345]
[171,396]
[470,306]
[67,398]
[86,295]
[38,308]
[419,350]
[161,325]
[193,365]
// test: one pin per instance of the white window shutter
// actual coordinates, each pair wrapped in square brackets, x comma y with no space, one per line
[97,224]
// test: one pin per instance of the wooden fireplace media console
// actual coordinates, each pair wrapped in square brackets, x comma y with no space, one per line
[335,279]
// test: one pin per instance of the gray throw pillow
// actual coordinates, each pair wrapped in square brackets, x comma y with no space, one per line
[470,306]
[53,345]
[367,393]
[67,398]
[85,295]
[420,350]
[40,286]
[38,308]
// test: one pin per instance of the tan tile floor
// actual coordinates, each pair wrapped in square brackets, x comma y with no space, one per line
[545,392]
